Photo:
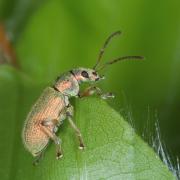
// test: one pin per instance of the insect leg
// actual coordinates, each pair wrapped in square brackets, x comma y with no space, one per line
[54,122]
[92,90]
[45,127]
[50,122]
[38,158]
[69,114]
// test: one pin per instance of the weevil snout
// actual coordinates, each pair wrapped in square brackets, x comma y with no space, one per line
[100,78]
[94,76]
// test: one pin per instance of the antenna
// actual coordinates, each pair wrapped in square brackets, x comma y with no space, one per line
[121,59]
[104,47]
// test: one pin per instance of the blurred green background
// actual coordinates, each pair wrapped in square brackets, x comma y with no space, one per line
[51,37]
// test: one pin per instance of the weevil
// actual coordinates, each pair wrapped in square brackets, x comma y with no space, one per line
[53,106]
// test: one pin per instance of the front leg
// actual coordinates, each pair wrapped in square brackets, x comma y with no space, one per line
[69,114]
[92,90]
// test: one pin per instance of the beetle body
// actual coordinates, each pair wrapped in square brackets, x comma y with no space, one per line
[50,105]
[54,106]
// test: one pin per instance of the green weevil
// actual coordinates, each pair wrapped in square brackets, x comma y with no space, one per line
[54,106]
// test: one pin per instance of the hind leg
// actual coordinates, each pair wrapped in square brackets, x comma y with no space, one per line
[45,127]
[38,158]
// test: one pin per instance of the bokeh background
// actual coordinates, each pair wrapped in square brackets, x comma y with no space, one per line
[50,37]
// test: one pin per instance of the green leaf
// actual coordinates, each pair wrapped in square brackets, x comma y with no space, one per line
[58,36]
[113,150]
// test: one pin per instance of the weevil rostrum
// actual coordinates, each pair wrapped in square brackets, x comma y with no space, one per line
[53,106]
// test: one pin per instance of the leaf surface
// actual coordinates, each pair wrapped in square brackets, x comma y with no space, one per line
[113,150]
[48,42]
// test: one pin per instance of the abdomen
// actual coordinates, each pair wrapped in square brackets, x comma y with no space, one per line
[48,107]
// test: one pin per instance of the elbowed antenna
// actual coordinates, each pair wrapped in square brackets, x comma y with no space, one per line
[120,59]
[104,47]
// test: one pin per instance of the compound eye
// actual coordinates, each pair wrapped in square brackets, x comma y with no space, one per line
[85,74]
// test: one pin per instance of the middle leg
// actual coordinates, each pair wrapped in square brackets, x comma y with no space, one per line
[69,114]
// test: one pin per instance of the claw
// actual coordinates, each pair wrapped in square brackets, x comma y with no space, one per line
[81,147]
[107,95]
[35,163]
[59,155]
